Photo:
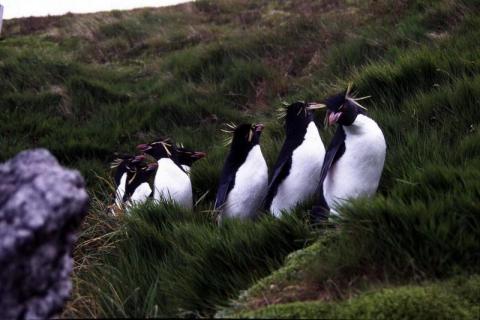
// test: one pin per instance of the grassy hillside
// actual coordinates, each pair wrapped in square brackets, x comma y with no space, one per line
[86,86]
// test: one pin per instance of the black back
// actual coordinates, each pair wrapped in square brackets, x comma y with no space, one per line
[297,120]
[244,139]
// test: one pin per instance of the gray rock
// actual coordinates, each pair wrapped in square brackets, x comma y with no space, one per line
[41,207]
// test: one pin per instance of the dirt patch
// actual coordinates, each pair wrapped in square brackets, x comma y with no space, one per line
[30,25]
[340,287]
[309,8]
[278,295]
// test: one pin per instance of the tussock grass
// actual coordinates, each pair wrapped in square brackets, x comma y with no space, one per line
[171,262]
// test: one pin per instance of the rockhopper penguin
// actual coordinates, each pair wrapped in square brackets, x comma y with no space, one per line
[171,182]
[138,188]
[354,159]
[244,178]
[123,164]
[297,170]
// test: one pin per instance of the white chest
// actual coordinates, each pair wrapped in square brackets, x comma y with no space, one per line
[304,175]
[172,184]
[357,173]
[186,168]
[141,193]
[251,182]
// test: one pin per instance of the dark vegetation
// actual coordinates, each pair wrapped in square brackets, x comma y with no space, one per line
[189,265]
[87,86]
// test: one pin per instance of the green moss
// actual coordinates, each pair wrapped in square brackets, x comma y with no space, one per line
[453,299]
[296,310]
[467,288]
[405,302]
[293,269]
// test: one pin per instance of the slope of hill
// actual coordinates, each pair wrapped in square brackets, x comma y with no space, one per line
[86,86]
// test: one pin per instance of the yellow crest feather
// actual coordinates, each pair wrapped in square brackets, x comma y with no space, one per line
[352,97]
[228,133]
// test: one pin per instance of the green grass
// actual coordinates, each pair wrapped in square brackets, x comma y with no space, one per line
[91,85]
[181,262]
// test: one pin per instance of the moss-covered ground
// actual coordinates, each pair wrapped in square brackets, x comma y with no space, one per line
[453,299]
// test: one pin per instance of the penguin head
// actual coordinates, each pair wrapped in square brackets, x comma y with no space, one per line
[188,157]
[124,163]
[138,173]
[134,163]
[121,161]
[150,167]
[162,148]
[144,170]
[123,156]
[246,136]
[298,116]
[343,109]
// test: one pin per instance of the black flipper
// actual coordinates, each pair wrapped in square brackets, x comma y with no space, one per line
[227,181]
[280,172]
[336,149]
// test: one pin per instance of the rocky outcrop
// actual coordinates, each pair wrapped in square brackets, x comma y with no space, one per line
[41,207]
